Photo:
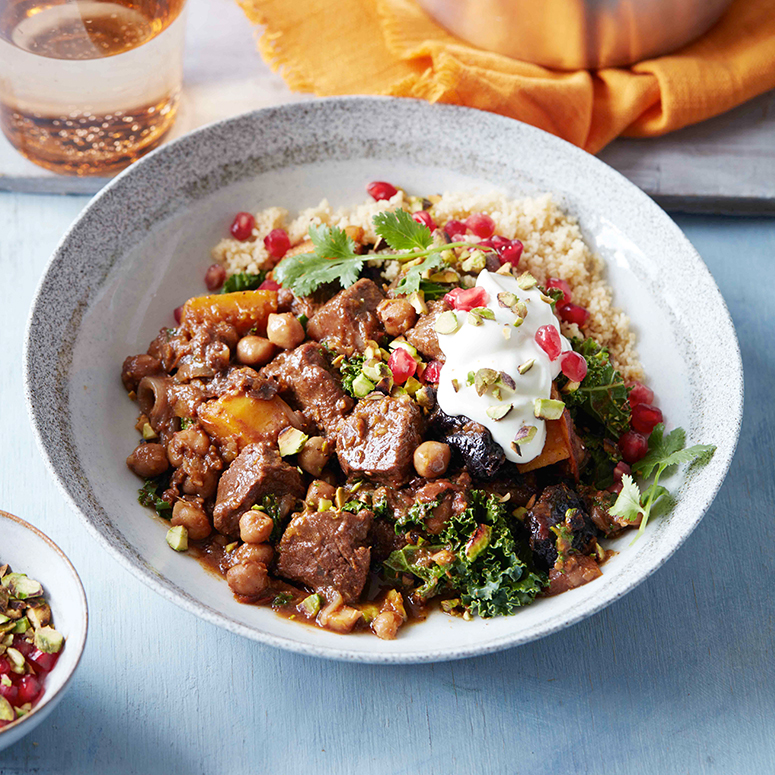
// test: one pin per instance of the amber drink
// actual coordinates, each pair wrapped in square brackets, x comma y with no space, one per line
[87,86]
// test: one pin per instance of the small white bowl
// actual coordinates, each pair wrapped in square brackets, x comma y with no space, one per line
[27,550]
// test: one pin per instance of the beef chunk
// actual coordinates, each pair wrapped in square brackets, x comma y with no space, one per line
[257,471]
[379,438]
[520,488]
[552,509]
[348,320]
[471,442]
[304,375]
[327,550]
[423,336]
[383,539]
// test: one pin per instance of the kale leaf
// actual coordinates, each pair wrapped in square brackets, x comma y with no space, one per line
[602,397]
[416,516]
[243,281]
[149,495]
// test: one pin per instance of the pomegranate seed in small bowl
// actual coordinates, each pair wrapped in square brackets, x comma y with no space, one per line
[425,218]
[561,285]
[380,190]
[645,418]
[548,339]
[215,277]
[573,365]
[402,364]
[277,243]
[639,393]
[481,224]
[573,313]
[242,226]
[633,446]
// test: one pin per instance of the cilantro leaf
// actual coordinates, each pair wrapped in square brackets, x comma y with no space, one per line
[243,281]
[411,281]
[627,505]
[401,231]
[333,259]
[660,447]
[433,291]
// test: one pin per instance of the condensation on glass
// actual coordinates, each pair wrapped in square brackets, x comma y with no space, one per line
[87,86]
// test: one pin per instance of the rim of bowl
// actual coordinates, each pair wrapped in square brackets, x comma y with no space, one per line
[180,597]
[82,633]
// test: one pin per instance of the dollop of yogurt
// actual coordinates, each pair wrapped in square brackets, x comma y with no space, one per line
[486,346]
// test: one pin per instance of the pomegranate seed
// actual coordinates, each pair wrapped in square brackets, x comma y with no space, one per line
[633,446]
[510,253]
[620,470]
[455,228]
[616,488]
[432,372]
[214,277]
[402,365]
[381,190]
[269,285]
[5,666]
[548,339]
[178,313]
[29,689]
[639,393]
[242,226]
[43,661]
[11,693]
[466,300]
[574,366]
[23,646]
[277,243]
[499,242]
[424,217]
[481,224]
[555,282]
[645,417]
[572,313]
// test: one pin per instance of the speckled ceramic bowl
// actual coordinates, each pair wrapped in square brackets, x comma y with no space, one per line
[141,248]
[29,551]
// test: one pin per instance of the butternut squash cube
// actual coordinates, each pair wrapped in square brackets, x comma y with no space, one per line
[245,310]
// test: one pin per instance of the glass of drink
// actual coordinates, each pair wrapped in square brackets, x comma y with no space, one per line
[88,86]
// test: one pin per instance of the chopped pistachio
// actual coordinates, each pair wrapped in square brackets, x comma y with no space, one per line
[571,387]
[398,391]
[49,640]
[547,299]
[149,433]
[447,276]
[257,507]
[520,309]
[5,680]
[506,332]
[548,408]
[373,369]
[484,312]
[470,378]
[312,604]
[478,542]
[340,497]
[229,548]
[417,300]
[526,281]
[17,660]
[338,361]
[324,504]
[355,486]
[475,262]
[3,619]
[504,269]
[425,396]
[508,381]
[449,606]
[525,367]
[474,319]
[404,345]
[446,323]
[177,538]
[362,386]
[507,299]
[22,625]
[517,322]
[519,513]
[412,385]
[290,441]
[7,713]
[21,586]
[455,385]
[499,411]
[483,379]
[524,436]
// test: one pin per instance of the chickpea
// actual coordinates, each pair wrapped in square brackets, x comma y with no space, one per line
[255,527]
[315,455]
[284,330]
[248,578]
[193,441]
[397,315]
[261,553]
[148,460]
[385,624]
[320,490]
[193,518]
[431,459]
[254,350]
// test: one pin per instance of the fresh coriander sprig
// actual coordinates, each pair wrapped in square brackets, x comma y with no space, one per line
[334,257]
[664,452]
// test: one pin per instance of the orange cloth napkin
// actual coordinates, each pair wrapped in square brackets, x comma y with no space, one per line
[392,47]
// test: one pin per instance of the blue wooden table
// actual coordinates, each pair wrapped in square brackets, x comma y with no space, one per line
[678,677]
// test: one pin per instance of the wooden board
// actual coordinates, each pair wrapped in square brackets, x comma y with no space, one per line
[724,165]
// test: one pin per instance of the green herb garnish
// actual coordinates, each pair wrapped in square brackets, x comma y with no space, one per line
[243,281]
[334,258]
[149,495]
[664,452]
[350,369]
